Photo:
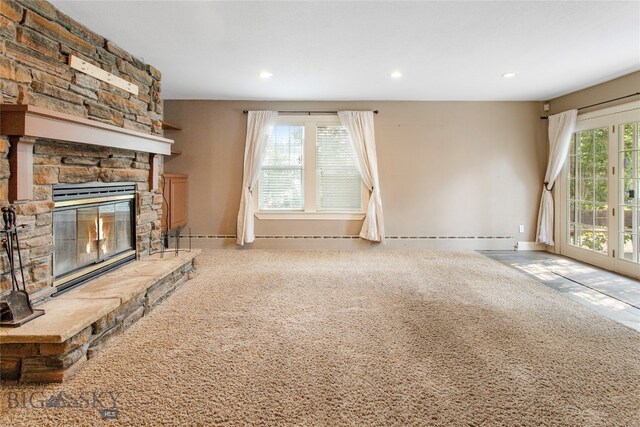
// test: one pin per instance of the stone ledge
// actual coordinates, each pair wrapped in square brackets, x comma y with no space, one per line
[63,319]
[70,313]
[133,278]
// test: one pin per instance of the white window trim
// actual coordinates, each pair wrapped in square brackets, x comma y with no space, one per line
[309,178]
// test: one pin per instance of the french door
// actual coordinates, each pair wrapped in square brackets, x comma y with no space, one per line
[628,194]
[598,207]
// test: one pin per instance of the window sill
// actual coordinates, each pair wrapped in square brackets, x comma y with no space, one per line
[322,216]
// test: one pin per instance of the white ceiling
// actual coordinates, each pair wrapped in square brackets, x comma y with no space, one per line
[338,50]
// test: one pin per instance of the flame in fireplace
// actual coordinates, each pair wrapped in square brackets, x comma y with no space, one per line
[99,232]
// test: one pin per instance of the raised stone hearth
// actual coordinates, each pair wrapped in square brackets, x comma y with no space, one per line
[77,324]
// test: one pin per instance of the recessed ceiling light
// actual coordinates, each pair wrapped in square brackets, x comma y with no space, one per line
[396,75]
[509,75]
[265,75]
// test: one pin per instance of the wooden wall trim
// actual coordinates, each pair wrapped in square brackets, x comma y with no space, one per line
[21,168]
[36,122]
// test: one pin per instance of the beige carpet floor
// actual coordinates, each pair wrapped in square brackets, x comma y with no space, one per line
[329,338]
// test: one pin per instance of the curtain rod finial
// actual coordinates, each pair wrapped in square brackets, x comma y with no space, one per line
[245,111]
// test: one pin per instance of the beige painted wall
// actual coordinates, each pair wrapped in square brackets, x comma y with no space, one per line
[612,89]
[446,168]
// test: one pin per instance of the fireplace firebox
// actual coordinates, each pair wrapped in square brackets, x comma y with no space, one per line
[93,231]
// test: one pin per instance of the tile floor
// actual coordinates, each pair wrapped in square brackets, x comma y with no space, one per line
[610,294]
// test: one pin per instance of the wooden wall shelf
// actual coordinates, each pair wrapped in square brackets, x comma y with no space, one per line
[169,126]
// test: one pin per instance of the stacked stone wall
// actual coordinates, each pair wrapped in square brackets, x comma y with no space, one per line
[36,40]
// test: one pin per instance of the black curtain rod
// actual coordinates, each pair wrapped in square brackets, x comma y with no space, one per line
[600,103]
[308,112]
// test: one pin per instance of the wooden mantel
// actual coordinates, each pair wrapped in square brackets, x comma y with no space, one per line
[36,122]
[23,124]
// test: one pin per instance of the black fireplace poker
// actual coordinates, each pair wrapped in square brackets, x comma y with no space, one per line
[15,306]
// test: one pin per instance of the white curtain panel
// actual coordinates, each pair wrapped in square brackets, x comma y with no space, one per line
[561,127]
[260,125]
[359,124]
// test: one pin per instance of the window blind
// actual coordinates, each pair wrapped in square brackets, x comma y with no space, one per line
[338,182]
[281,185]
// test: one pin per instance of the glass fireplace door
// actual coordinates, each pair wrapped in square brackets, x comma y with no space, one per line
[87,235]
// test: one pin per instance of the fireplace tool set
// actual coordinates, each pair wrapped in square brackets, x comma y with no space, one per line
[177,236]
[164,247]
[15,307]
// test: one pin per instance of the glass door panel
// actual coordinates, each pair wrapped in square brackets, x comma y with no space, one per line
[87,238]
[588,191]
[64,232]
[628,192]
[123,226]
[107,230]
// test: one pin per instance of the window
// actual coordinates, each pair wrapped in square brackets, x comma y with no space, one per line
[310,169]
[338,182]
[281,184]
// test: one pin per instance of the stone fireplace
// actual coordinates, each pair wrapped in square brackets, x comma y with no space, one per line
[80,159]
[93,231]
[91,242]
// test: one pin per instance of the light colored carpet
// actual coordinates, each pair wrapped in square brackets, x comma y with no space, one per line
[359,338]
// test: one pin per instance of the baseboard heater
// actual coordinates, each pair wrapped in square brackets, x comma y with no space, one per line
[230,236]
